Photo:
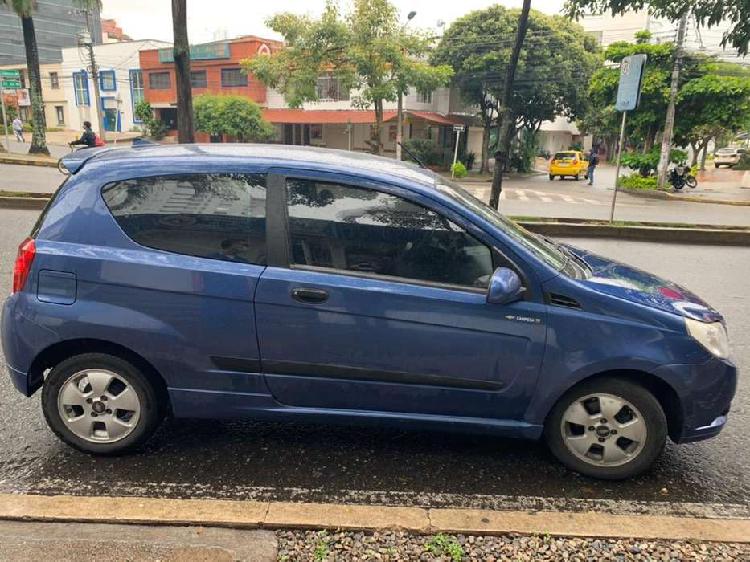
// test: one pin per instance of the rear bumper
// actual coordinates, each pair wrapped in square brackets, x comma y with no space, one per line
[706,397]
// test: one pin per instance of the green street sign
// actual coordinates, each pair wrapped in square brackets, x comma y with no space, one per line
[10,84]
[10,74]
[10,79]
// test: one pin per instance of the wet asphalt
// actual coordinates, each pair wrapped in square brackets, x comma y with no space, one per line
[252,460]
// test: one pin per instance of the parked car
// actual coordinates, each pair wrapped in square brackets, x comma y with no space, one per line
[291,283]
[728,156]
[568,163]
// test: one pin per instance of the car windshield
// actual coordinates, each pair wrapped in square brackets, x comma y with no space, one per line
[544,249]
[565,155]
[727,151]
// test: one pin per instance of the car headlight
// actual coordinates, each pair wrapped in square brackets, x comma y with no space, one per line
[712,336]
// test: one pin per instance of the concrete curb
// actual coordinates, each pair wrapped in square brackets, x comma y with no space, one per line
[649,194]
[251,515]
[48,163]
[719,236]
[23,202]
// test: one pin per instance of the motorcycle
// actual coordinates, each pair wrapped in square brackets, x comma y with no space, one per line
[680,176]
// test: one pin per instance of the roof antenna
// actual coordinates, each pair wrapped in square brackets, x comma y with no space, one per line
[413,157]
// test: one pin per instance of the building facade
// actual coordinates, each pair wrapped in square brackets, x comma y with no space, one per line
[215,69]
[57,24]
[56,111]
[120,82]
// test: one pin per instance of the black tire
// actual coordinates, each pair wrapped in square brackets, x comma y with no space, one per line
[716,165]
[577,177]
[151,411]
[551,177]
[640,398]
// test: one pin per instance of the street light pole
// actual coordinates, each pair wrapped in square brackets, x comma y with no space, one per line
[400,101]
[88,43]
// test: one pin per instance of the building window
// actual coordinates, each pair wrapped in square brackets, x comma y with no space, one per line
[81,87]
[424,96]
[198,79]
[159,81]
[107,81]
[54,81]
[329,88]
[233,78]
[60,114]
[136,90]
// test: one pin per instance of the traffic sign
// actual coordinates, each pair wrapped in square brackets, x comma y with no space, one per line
[629,88]
[10,79]
[458,128]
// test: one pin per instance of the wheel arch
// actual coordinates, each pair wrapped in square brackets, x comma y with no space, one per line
[60,351]
[664,393]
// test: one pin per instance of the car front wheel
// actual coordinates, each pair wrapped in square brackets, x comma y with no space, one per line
[607,428]
[100,404]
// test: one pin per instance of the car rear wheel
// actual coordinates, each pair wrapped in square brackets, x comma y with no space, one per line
[607,428]
[577,177]
[551,177]
[100,404]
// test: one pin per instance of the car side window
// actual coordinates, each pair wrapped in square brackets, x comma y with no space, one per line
[366,231]
[216,216]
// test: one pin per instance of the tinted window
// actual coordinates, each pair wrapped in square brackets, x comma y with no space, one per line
[218,216]
[565,156]
[159,80]
[362,230]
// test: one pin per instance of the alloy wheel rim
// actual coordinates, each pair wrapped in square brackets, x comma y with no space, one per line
[603,430]
[99,406]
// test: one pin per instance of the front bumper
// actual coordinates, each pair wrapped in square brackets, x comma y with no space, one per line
[705,396]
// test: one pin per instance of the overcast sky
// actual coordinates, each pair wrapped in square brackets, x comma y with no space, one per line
[211,19]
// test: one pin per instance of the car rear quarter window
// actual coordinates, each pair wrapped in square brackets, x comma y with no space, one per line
[215,216]
[369,232]
[565,156]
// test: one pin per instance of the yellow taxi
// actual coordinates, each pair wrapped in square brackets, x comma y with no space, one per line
[570,163]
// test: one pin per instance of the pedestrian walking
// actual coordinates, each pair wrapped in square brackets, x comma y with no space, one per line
[593,162]
[18,129]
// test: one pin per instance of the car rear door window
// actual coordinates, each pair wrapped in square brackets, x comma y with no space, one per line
[366,231]
[216,216]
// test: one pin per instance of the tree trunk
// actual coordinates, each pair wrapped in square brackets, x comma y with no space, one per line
[666,141]
[507,119]
[704,153]
[375,145]
[694,150]
[485,147]
[399,125]
[648,143]
[185,128]
[38,138]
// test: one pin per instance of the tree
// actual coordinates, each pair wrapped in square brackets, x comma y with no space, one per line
[236,117]
[366,49]
[553,69]
[25,10]
[706,13]
[185,128]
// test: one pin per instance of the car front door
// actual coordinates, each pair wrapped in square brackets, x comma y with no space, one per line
[379,304]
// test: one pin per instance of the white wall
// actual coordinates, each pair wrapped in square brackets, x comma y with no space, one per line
[120,57]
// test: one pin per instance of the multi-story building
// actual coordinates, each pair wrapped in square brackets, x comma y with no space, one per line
[608,29]
[120,83]
[53,94]
[215,68]
[57,24]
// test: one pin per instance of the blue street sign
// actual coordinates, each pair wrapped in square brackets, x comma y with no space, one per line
[629,89]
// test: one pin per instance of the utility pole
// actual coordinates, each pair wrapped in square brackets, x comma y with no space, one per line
[88,43]
[400,101]
[5,119]
[666,140]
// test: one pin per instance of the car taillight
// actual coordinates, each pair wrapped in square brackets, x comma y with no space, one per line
[24,259]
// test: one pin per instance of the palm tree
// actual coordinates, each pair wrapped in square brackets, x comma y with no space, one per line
[25,9]
[185,128]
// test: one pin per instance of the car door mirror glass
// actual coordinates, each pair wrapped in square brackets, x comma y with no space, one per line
[505,286]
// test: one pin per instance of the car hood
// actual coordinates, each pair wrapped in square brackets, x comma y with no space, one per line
[638,286]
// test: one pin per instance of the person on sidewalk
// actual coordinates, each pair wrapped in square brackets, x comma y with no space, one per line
[18,129]
[593,162]
[88,138]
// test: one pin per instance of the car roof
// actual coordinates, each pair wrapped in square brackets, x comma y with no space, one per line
[341,161]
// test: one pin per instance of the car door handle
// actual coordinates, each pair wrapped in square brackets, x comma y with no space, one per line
[303,294]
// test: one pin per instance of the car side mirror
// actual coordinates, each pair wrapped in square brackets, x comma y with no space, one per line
[505,286]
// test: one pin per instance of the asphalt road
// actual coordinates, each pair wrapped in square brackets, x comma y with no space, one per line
[250,460]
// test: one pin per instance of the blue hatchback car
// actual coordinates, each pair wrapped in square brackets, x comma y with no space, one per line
[301,284]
